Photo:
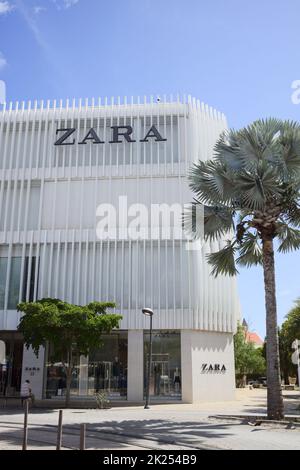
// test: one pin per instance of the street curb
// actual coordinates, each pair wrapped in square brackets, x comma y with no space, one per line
[288,421]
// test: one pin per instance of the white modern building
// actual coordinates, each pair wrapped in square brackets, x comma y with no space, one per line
[60,163]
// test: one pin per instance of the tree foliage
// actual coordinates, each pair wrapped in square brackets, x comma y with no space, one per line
[250,190]
[289,331]
[71,329]
[250,194]
[63,324]
[248,359]
[291,326]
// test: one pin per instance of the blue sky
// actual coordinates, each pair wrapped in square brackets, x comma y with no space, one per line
[240,57]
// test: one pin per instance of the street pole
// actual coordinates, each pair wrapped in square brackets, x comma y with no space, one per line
[59,430]
[149,313]
[149,368]
[25,432]
[82,437]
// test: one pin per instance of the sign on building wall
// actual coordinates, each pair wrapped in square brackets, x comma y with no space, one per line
[119,134]
[213,369]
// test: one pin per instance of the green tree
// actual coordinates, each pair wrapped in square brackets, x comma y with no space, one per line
[290,330]
[69,328]
[287,368]
[248,359]
[285,352]
[250,193]
[291,325]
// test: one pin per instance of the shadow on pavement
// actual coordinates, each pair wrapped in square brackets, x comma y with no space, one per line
[118,435]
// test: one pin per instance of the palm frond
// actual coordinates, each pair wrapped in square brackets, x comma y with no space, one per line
[218,221]
[259,142]
[288,160]
[255,173]
[289,237]
[212,183]
[227,151]
[193,220]
[250,252]
[269,178]
[252,191]
[206,222]
[268,128]
[256,187]
[292,213]
[222,261]
[250,147]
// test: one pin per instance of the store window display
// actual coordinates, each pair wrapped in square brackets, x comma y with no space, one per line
[177,380]
[104,370]
[165,380]
[107,366]
[56,378]
[11,362]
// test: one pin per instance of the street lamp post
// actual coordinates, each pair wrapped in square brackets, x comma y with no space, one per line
[149,313]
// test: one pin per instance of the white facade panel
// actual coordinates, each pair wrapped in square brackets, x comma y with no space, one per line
[135,391]
[49,244]
[207,366]
[49,195]
[33,370]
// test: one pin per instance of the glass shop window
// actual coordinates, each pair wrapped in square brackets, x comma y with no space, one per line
[27,290]
[165,379]
[104,370]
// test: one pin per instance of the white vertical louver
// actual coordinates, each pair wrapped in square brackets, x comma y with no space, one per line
[48,200]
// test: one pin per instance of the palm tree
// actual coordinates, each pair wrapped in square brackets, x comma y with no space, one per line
[250,193]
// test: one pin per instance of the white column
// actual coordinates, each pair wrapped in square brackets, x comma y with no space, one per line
[186,367]
[33,370]
[83,375]
[135,374]
[207,361]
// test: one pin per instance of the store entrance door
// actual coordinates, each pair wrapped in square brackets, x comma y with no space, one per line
[159,382]
[11,368]
[165,373]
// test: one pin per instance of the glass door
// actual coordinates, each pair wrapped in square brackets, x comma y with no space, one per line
[165,378]
[11,369]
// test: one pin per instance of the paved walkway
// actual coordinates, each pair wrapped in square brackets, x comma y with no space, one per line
[172,426]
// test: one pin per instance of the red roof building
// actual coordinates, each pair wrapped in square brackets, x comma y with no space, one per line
[252,337]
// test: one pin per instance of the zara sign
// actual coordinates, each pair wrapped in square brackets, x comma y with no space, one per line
[119,134]
[213,368]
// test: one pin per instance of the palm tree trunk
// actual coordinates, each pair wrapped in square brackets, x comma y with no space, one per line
[275,400]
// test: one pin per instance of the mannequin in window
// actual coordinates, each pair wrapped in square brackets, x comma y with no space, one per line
[99,376]
[116,369]
[157,374]
[177,380]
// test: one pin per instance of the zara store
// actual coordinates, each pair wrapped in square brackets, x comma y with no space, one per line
[79,181]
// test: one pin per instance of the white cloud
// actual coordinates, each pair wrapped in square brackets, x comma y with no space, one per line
[49,54]
[38,9]
[31,22]
[65,4]
[5,7]
[70,3]
[3,61]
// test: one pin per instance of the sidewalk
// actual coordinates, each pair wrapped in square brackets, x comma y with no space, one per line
[168,426]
